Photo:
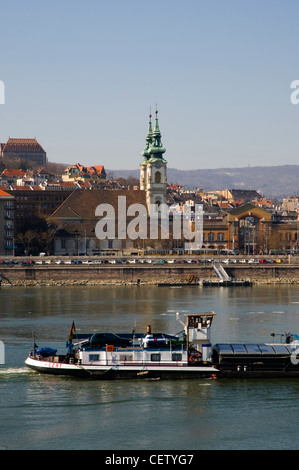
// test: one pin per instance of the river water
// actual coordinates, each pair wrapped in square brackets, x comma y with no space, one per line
[48,412]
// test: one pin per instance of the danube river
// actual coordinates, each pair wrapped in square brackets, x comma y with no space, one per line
[48,412]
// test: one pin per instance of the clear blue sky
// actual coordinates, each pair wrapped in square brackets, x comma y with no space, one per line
[82,76]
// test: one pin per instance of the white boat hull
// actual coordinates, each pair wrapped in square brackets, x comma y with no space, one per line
[128,371]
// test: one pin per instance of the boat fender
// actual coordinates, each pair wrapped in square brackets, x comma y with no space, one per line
[194,358]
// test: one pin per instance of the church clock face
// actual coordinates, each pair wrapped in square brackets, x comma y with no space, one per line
[157,164]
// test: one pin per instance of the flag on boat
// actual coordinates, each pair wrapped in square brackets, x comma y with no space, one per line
[72,331]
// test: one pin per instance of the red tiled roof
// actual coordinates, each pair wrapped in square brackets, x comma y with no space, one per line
[27,145]
[22,188]
[95,169]
[4,194]
[224,205]
[9,172]
[82,204]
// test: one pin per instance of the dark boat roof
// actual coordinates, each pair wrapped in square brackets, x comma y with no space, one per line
[86,336]
[252,349]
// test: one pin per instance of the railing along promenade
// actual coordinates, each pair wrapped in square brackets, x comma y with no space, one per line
[132,270]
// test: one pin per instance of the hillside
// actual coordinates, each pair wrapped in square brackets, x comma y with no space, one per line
[271,181]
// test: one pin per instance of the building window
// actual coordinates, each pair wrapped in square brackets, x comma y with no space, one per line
[211,237]
[220,237]
[110,243]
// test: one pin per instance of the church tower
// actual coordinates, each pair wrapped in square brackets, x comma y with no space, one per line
[153,169]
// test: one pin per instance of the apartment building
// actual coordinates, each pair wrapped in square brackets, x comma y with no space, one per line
[7,224]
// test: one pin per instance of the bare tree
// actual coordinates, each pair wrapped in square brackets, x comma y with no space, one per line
[26,239]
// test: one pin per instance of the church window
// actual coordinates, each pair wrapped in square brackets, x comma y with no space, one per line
[158,177]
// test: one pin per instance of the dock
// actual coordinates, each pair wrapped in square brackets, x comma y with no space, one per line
[230,283]
[224,280]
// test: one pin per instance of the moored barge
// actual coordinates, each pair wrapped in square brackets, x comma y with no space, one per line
[258,360]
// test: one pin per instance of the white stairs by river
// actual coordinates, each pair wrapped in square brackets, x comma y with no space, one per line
[221,273]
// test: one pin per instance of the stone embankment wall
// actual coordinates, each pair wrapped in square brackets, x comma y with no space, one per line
[141,274]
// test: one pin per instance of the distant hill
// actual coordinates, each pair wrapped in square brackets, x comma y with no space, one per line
[271,181]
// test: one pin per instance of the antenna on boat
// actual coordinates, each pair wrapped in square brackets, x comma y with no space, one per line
[178,318]
[134,331]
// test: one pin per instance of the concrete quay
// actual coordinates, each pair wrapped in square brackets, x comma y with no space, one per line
[108,274]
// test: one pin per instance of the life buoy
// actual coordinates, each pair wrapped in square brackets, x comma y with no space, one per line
[194,358]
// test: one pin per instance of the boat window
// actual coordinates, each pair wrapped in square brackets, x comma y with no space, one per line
[126,357]
[94,357]
[176,357]
[155,357]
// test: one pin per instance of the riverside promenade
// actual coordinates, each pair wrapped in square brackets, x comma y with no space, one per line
[284,272]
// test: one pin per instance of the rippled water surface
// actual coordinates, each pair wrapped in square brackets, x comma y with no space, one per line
[48,412]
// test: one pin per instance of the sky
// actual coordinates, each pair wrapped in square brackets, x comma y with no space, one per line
[81,77]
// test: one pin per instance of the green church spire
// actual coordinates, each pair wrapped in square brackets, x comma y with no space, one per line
[156,148]
[148,138]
